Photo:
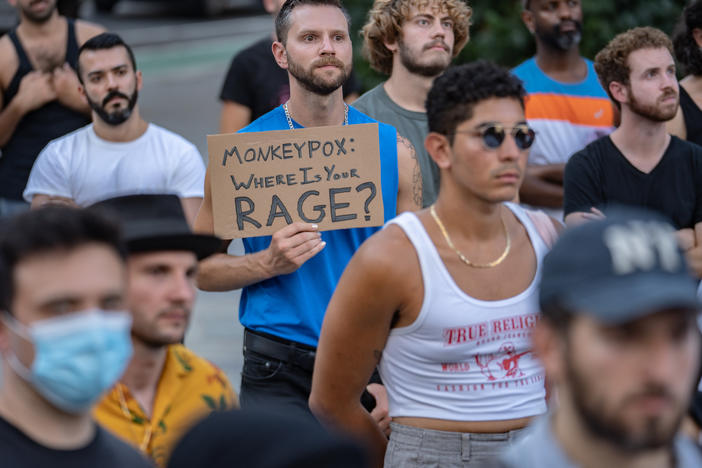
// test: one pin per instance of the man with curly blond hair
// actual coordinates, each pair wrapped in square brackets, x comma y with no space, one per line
[640,163]
[566,105]
[412,41]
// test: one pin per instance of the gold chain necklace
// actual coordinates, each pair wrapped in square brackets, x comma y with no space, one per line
[463,257]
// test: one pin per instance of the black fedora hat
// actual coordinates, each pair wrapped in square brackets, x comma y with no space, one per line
[155,222]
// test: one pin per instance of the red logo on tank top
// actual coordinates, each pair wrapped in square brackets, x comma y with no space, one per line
[505,362]
[474,332]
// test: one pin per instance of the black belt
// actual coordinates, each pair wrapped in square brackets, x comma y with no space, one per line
[291,352]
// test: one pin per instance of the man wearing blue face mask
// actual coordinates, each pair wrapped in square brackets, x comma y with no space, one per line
[64,338]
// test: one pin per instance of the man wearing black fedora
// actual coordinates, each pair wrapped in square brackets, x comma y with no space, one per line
[166,388]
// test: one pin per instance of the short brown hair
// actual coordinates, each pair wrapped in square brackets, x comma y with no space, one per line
[386,17]
[283,20]
[612,62]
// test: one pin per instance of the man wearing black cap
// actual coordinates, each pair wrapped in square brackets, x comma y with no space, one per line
[166,387]
[619,340]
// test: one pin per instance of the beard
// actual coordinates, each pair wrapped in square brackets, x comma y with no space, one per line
[317,84]
[654,112]
[561,40]
[118,116]
[38,18]
[156,335]
[606,421]
[410,61]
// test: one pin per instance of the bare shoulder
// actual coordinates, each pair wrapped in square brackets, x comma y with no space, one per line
[404,146]
[386,253]
[8,61]
[86,30]
[410,183]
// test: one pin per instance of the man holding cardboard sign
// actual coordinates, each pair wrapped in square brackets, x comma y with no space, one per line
[289,277]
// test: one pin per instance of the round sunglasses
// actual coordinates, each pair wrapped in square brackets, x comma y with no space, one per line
[494,134]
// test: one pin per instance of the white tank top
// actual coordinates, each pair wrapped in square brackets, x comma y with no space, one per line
[464,359]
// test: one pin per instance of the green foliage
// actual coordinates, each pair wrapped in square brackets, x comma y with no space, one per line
[498,34]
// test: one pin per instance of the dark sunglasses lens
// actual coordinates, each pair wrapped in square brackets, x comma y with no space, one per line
[524,138]
[493,137]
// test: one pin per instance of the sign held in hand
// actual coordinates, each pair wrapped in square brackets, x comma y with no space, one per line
[263,181]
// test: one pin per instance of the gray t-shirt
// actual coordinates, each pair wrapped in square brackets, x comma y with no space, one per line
[537,448]
[412,125]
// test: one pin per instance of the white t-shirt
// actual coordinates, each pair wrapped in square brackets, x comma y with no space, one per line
[87,169]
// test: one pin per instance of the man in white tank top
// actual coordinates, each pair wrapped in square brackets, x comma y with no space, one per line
[444,300]
[619,340]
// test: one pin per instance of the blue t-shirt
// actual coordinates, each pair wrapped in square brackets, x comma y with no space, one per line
[292,306]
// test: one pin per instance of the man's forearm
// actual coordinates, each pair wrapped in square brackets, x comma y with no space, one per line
[538,192]
[356,421]
[223,272]
[9,118]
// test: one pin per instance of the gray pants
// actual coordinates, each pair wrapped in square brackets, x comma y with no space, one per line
[411,447]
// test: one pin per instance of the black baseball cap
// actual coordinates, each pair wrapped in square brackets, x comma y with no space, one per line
[618,269]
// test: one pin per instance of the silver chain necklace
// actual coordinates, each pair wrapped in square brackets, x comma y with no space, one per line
[290,124]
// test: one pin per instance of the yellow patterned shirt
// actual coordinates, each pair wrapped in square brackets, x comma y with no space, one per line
[190,388]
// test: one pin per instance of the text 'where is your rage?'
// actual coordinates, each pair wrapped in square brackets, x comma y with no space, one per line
[262,181]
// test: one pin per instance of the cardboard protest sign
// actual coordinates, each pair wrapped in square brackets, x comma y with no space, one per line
[263,181]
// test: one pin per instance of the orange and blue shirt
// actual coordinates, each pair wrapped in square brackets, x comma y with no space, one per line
[565,116]
[189,389]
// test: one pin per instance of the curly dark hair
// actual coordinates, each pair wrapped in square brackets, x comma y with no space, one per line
[283,20]
[687,52]
[455,93]
[612,62]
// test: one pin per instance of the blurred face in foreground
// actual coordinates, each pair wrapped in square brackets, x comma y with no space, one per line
[630,384]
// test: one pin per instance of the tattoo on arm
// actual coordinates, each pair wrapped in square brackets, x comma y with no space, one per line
[416,172]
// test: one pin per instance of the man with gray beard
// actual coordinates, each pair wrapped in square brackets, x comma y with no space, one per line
[567,107]
[119,153]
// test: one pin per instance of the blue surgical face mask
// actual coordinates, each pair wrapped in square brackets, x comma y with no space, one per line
[77,356]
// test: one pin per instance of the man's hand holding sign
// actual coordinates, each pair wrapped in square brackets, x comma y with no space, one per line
[292,184]
[310,182]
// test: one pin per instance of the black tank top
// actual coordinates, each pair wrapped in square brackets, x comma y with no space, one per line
[36,128]
[693,117]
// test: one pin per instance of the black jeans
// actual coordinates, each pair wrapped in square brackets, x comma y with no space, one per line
[271,384]
[267,382]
